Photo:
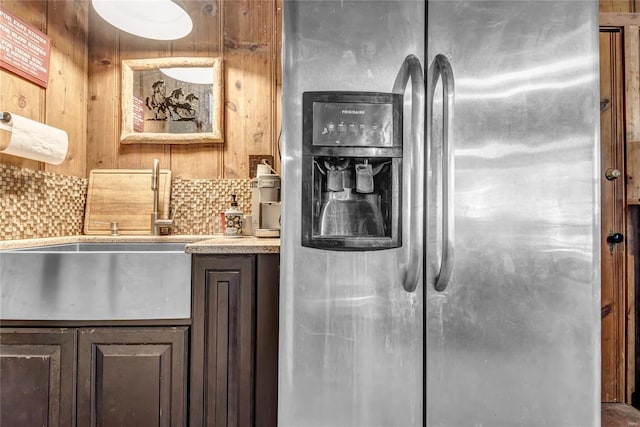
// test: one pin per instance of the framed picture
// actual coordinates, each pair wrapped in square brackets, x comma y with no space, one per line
[172,101]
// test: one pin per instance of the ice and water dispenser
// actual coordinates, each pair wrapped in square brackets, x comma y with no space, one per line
[352,170]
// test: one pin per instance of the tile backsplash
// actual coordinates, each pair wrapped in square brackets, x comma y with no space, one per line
[43,204]
[36,203]
[200,201]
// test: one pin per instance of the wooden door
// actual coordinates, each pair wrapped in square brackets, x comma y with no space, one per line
[223,341]
[613,215]
[132,377]
[37,377]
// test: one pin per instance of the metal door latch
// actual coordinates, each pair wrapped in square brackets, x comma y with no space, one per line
[613,239]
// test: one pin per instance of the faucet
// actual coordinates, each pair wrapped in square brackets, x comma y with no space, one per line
[156,222]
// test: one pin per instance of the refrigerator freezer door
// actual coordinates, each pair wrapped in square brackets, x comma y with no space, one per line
[514,338]
[351,337]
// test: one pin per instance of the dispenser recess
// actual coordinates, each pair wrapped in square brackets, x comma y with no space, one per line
[352,170]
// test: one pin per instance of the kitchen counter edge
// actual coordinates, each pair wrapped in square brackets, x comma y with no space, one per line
[220,245]
[196,244]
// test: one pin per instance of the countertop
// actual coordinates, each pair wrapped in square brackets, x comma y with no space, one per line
[243,245]
[196,244]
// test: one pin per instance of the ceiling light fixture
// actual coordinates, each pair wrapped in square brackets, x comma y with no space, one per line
[151,19]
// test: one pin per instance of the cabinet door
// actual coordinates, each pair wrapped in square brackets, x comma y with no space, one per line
[37,377]
[223,341]
[132,377]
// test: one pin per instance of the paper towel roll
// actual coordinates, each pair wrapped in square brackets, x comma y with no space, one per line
[34,140]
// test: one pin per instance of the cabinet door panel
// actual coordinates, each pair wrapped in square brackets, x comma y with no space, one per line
[132,377]
[223,341]
[37,377]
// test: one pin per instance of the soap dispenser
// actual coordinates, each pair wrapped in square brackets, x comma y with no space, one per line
[233,219]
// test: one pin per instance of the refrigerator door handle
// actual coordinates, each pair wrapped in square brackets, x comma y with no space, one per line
[411,68]
[442,69]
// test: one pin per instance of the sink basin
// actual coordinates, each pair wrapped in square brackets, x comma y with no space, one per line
[96,281]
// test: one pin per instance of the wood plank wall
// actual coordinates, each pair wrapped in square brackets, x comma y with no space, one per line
[64,103]
[619,6]
[83,95]
[247,35]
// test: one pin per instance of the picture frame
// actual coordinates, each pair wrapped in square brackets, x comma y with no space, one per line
[173,100]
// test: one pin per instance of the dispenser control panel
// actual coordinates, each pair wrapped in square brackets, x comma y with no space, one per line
[369,125]
[353,119]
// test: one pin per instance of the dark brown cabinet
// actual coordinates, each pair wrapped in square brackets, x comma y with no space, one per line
[37,381]
[125,376]
[217,369]
[132,377]
[234,343]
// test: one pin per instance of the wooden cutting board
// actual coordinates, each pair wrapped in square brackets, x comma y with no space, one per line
[124,196]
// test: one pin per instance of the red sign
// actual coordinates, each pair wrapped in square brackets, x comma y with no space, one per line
[138,114]
[24,50]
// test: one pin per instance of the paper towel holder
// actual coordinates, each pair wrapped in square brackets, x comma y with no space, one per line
[5,132]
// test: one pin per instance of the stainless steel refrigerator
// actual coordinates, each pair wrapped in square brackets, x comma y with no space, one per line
[485,311]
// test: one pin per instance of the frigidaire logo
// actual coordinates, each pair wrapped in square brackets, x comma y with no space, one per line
[352,111]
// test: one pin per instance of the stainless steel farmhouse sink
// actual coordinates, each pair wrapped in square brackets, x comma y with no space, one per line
[96,281]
